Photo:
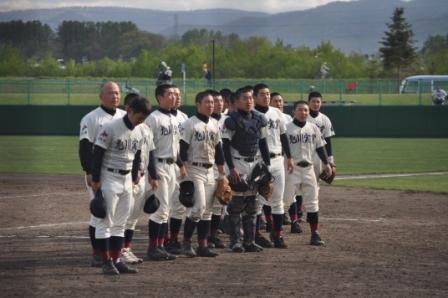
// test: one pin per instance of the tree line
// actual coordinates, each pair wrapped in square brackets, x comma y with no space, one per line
[120,49]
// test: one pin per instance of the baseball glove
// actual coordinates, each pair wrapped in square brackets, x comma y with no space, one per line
[223,191]
[329,178]
[265,190]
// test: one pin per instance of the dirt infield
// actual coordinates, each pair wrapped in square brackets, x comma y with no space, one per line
[378,243]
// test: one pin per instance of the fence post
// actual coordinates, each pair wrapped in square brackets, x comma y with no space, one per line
[301,89]
[380,93]
[419,93]
[68,91]
[28,91]
[341,84]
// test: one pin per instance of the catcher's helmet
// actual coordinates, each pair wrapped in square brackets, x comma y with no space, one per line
[151,205]
[186,191]
[260,175]
[98,205]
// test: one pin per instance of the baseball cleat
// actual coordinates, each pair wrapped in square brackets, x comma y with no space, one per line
[128,257]
[262,241]
[217,243]
[168,256]
[237,247]
[295,227]
[155,254]
[204,251]
[173,247]
[252,248]
[122,267]
[316,240]
[188,250]
[96,261]
[109,268]
[279,242]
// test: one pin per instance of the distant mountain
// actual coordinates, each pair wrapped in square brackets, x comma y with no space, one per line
[350,26]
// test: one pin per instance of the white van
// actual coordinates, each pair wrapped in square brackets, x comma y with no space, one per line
[423,83]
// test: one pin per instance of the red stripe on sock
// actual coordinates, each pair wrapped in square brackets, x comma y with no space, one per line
[314,227]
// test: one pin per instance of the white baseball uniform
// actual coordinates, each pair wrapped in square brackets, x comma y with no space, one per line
[303,142]
[287,118]
[202,138]
[327,131]
[141,191]
[121,144]
[177,210]
[276,127]
[217,206]
[90,125]
[165,130]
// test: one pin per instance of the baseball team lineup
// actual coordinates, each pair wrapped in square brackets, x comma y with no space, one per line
[238,160]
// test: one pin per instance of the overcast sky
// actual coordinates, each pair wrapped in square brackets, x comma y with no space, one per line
[269,6]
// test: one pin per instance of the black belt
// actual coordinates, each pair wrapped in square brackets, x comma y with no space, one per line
[273,155]
[204,165]
[303,164]
[117,171]
[166,160]
[247,159]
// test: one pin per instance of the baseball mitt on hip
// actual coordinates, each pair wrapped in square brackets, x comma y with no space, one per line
[329,178]
[223,191]
[265,190]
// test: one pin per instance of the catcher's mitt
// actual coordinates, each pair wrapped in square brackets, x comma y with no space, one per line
[329,178]
[265,190]
[223,191]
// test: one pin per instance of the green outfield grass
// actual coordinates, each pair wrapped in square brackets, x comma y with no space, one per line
[59,155]
[437,184]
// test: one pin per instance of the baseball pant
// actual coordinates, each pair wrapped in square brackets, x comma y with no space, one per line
[302,180]
[317,167]
[204,188]
[139,195]
[165,191]
[278,173]
[117,192]
[177,210]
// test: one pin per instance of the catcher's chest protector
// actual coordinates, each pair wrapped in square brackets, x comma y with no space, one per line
[247,133]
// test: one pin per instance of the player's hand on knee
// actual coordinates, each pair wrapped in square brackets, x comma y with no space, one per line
[290,165]
[234,176]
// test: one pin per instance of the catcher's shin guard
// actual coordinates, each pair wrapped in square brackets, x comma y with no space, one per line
[249,229]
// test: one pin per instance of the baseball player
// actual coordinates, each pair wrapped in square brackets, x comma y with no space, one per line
[244,134]
[140,191]
[278,102]
[326,128]
[165,129]
[116,155]
[177,210]
[278,143]
[305,140]
[89,127]
[213,240]
[200,149]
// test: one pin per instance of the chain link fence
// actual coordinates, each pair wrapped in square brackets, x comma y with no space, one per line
[27,91]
